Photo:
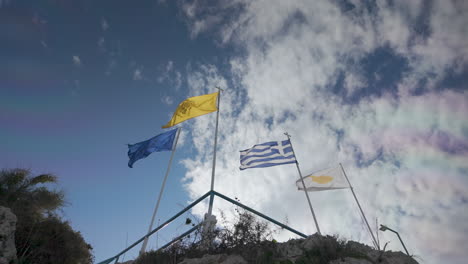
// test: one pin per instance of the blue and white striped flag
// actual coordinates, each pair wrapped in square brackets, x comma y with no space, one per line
[267,154]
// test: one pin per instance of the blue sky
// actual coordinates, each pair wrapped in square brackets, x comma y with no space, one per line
[379,87]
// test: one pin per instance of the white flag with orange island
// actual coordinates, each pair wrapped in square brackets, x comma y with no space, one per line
[328,179]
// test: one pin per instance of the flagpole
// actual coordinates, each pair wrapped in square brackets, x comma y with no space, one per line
[362,212]
[210,208]
[143,247]
[303,185]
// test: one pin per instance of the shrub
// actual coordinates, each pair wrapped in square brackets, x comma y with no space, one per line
[231,238]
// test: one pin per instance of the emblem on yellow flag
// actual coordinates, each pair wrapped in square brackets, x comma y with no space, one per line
[193,107]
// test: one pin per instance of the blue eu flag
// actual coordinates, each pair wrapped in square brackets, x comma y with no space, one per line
[143,149]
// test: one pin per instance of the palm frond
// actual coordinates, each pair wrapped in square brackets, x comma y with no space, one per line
[43,178]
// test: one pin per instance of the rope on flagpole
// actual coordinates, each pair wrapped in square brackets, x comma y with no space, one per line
[210,208]
[376,244]
[303,185]
[143,247]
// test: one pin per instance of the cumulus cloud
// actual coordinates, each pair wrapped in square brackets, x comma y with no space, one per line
[345,82]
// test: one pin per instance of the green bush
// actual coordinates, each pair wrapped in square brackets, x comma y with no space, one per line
[330,248]
[235,238]
[253,240]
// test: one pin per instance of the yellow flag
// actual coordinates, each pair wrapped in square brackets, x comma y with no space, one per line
[193,107]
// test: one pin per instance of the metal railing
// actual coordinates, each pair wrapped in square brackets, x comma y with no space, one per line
[211,194]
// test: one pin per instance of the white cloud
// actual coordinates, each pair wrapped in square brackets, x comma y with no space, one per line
[167,100]
[171,75]
[111,65]
[177,80]
[137,75]
[76,60]
[406,155]
[202,16]
[169,66]
[76,88]
[165,73]
[104,24]
[101,42]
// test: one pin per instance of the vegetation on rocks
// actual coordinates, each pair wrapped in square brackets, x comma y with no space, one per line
[249,240]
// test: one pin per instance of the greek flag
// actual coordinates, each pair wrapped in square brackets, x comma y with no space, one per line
[267,154]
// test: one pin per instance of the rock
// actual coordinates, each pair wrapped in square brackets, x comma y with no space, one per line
[216,259]
[290,249]
[311,242]
[234,259]
[363,249]
[7,236]
[349,260]
[389,257]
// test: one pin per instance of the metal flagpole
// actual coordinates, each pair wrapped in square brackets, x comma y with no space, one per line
[364,216]
[143,247]
[303,185]
[210,208]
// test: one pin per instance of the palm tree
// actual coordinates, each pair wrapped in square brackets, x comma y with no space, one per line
[28,195]
[41,236]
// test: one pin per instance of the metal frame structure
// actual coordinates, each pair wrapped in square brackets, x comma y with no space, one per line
[211,194]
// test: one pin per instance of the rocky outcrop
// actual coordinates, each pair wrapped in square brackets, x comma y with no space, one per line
[309,250]
[216,259]
[370,255]
[7,236]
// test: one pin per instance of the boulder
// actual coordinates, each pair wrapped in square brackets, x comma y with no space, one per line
[7,236]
